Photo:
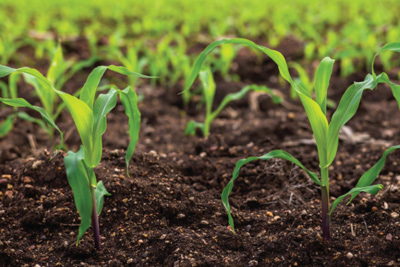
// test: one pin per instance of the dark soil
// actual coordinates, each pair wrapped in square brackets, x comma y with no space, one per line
[168,212]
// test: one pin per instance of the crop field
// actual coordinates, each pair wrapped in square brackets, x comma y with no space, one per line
[199,133]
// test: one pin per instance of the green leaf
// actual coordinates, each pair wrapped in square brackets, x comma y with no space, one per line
[27,117]
[394,87]
[6,126]
[388,47]
[274,55]
[103,105]
[273,154]
[208,83]
[372,189]
[4,71]
[84,121]
[369,176]
[4,90]
[239,95]
[57,66]
[20,102]
[129,100]
[100,192]
[321,82]
[319,125]
[89,89]
[347,107]
[192,126]
[79,181]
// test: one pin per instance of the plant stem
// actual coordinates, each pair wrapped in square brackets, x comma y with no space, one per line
[326,218]
[95,220]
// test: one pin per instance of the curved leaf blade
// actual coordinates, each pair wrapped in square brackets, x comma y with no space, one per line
[372,189]
[272,154]
[100,192]
[20,102]
[346,109]
[388,47]
[321,82]
[92,83]
[103,105]
[129,100]
[79,181]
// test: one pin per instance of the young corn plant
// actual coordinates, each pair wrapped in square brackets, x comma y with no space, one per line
[208,90]
[89,114]
[326,134]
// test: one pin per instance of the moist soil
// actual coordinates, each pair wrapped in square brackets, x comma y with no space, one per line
[168,211]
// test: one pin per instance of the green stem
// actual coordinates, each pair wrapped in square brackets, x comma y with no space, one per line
[326,219]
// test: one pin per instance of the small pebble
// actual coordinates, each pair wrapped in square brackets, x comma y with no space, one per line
[181,216]
[349,255]
[27,180]
[247,228]
[9,194]
[129,261]
[36,164]
[204,222]
[394,215]
[389,237]
[253,263]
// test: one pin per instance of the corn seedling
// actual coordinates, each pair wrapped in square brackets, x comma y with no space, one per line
[89,115]
[326,134]
[208,89]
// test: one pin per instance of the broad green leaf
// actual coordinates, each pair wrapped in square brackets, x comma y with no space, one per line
[388,47]
[369,176]
[6,126]
[92,83]
[84,121]
[79,182]
[129,100]
[103,105]
[372,189]
[319,126]
[273,154]
[347,107]
[89,89]
[321,82]
[20,102]
[100,192]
